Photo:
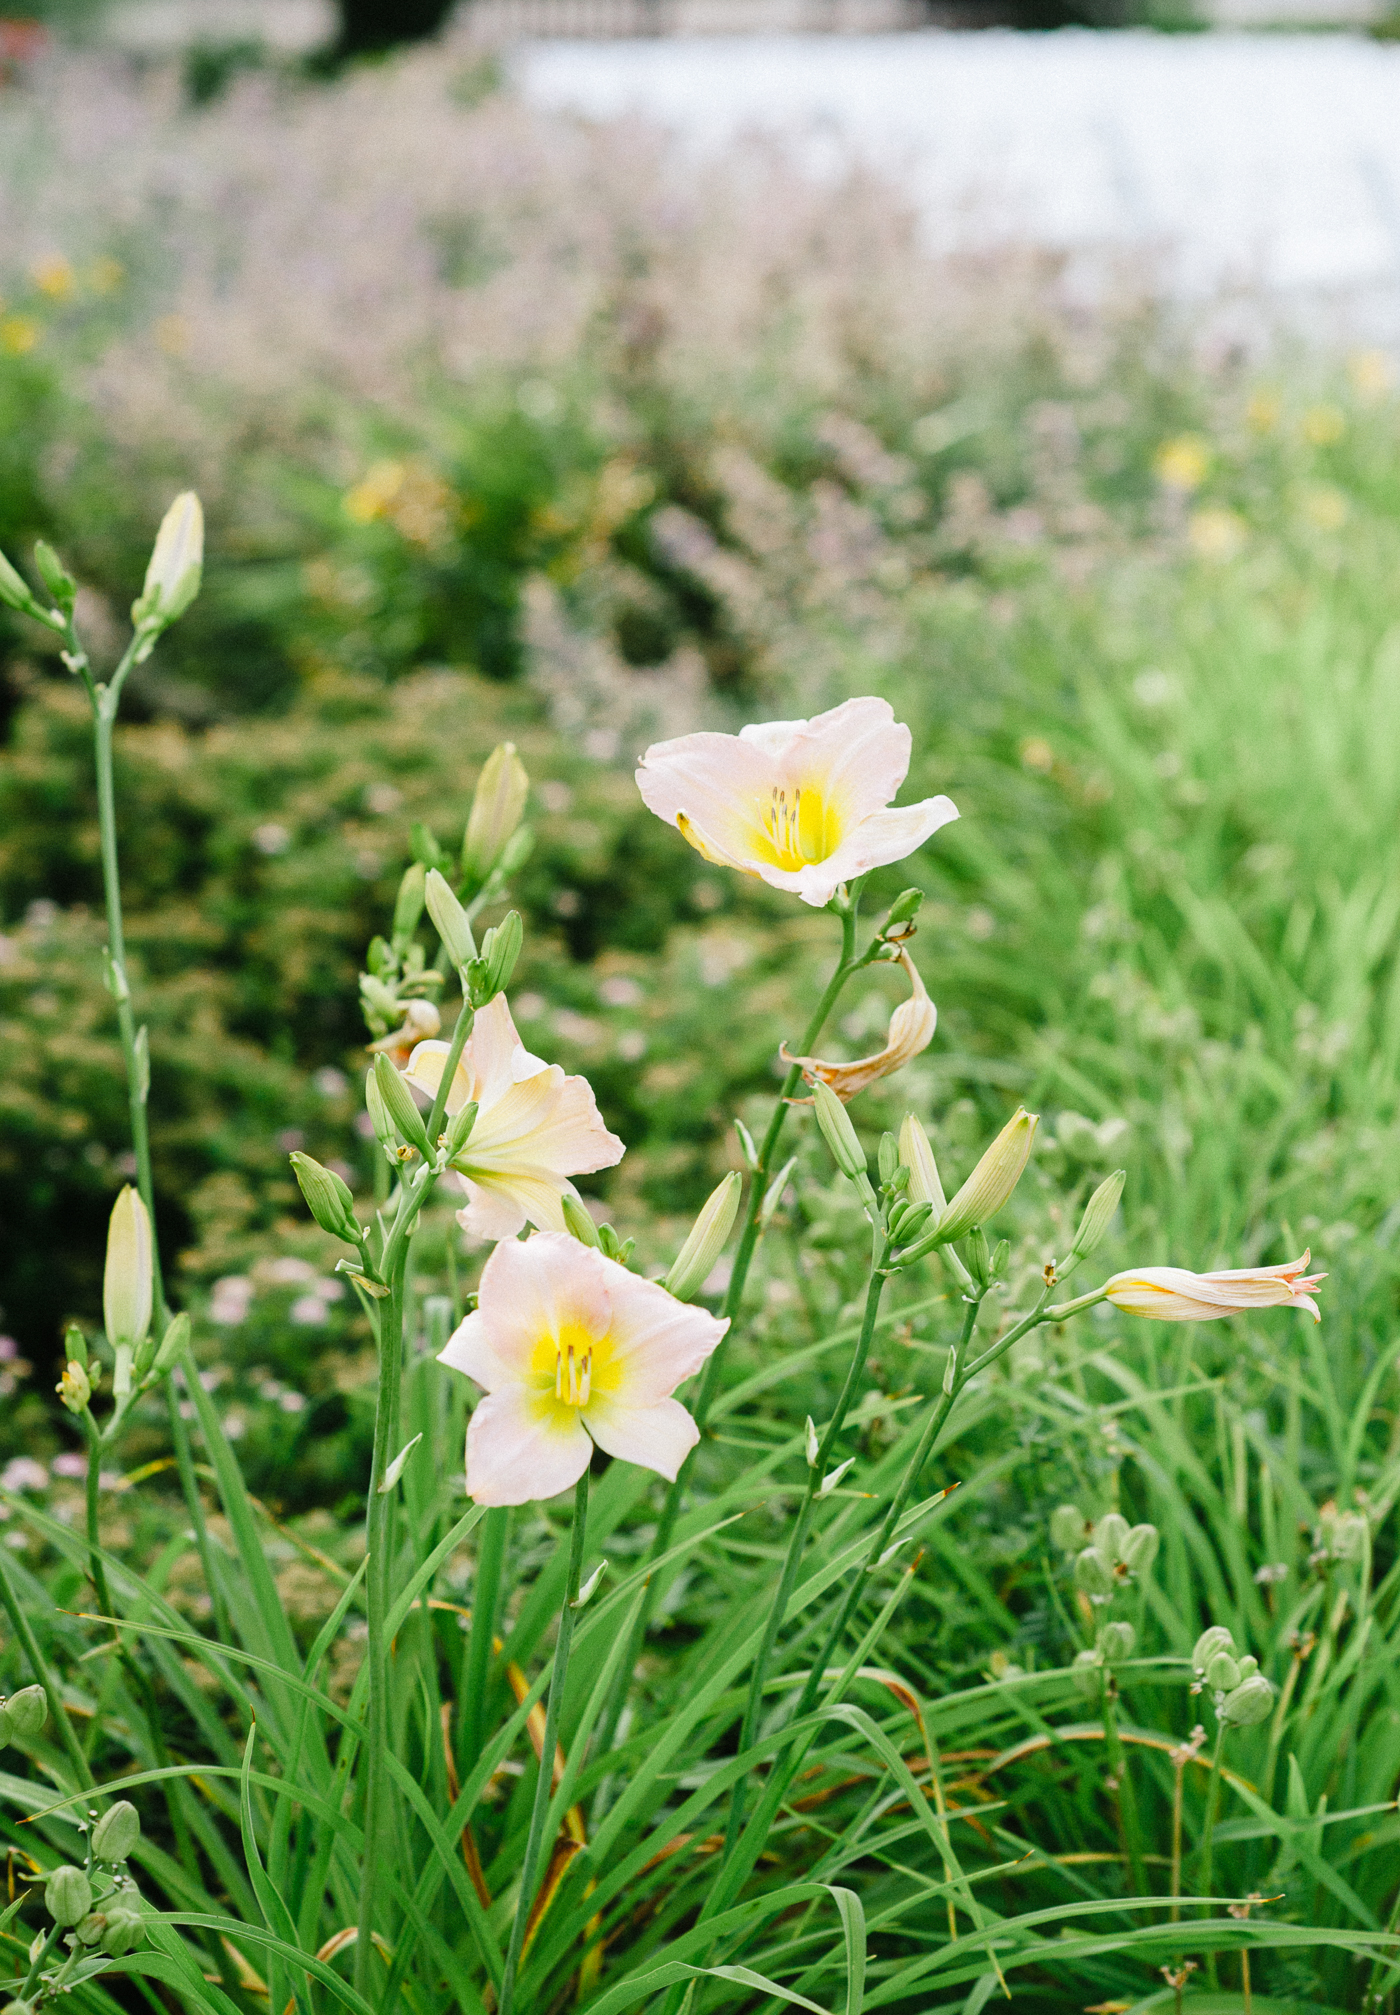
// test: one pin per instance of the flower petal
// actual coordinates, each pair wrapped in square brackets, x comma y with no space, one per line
[496,1057]
[500,1205]
[424,1071]
[523,1446]
[887,836]
[536,1289]
[912,1026]
[659,1436]
[468,1350]
[856,756]
[547,1124]
[654,1341]
[719,783]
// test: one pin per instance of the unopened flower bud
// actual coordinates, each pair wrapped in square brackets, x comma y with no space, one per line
[1251,1701]
[1216,1638]
[917,1157]
[578,1220]
[497,809]
[1093,1573]
[449,919]
[379,1114]
[399,1105]
[408,905]
[1098,1216]
[909,1222]
[75,1387]
[117,1832]
[125,1930]
[1139,1549]
[27,1711]
[459,1128]
[709,1235]
[1067,1527]
[1248,1667]
[328,1198]
[14,590]
[173,1345]
[68,1896]
[979,1257]
[1116,1640]
[1222,1673]
[1087,1674]
[839,1134]
[55,575]
[887,1157]
[500,948]
[993,1179]
[127,1281]
[902,912]
[90,1931]
[176,568]
[811,1443]
[75,1344]
[1109,1534]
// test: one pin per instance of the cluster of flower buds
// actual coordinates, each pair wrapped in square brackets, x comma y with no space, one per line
[1091,1668]
[580,1224]
[23,1715]
[1115,1554]
[96,1908]
[1240,1693]
[399,988]
[986,1190]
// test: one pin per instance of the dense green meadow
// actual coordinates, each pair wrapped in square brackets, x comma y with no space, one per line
[512,430]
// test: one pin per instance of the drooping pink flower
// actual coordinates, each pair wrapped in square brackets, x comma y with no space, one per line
[804,805]
[534,1129]
[1171,1294]
[573,1350]
[911,1031]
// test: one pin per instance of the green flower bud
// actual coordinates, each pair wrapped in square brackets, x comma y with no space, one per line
[19,2008]
[117,1832]
[500,948]
[1093,1573]
[5,1725]
[75,1345]
[127,1283]
[1139,1549]
[1216,1638]
[327,1197]
[903,910]
[399,1105]
[993,1179]
[28,1710]
[497,809]
[408,905]
[1222,1673]
[1067,1527]
[449,920]
[68,1896]
[1116,1640]
[709,1235]
[839,1134]
[888,1157]
[578,1220]
[1110,1533]
[75,1387]
[518,850]
[1087,1674]
[14,590]
[176,568]
[1098,1216]
[459,1128]
[1251,1701]
[917,1157]
[173,1345]
[126,1929]
[1248,1667]
[55,575]
[909,1222]
[90,1931]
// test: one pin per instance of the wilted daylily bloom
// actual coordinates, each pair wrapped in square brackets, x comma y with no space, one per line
[573,1349]
[804,805]
[535,1127]
[1171,1294]
[911,1030]
[421,1021]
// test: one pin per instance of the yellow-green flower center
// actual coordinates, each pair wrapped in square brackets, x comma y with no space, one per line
[796,825]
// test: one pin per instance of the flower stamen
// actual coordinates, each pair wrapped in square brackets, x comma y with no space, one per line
[573,1375]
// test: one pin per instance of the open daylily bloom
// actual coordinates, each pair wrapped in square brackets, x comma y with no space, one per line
[804,805]
[1171,1294]
[535,1127]
[573,1349]
[911,1030]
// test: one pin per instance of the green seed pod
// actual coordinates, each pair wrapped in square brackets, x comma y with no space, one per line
[1116,1640]
[1248,1667]
[116,1833]
[126,1929]
[1093,1573]
[28,1710]
[1067,1527]
[1216,1638]
[1222,1674]
[68,1896]
[1139,1549]
[1087,1674]
[90,1931]
[1251,1701]
[1110,1533]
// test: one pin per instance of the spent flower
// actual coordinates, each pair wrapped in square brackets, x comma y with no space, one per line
[911,1031]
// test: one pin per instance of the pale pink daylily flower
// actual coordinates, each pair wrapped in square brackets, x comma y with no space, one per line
[573,1350]
[804,805]
[911,1031]
[1171,1294]
[534,1129]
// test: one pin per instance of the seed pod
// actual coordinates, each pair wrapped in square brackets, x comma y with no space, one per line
[1251,1701]
[1067,1526]
[28,1710]
[116,1833]
[1248,1667]
[840,1135]
[993,1179]
[90,1931]
[1093,1573]
[1139,1549]
[126,1929]
[1223,1673]
[1110,1533]
[1116,1640]
[696,1259]
[1216,1638]
[68,1896]
[328,1198]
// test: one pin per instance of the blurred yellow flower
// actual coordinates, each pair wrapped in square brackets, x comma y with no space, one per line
[18,335]
[1181,464]
[1371,372]
[1264,411]
[53,277]
[413,497]
[1326,507]
[1322,425]
[105,275]
[372,495]
[1216,533]
[173,335]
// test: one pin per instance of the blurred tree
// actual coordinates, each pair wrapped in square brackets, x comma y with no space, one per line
[368,25]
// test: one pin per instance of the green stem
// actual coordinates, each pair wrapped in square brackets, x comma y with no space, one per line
[544,1784]
[96,1571]
[42,1674]
[1208,1837]
[1123,1798]
[490,1563]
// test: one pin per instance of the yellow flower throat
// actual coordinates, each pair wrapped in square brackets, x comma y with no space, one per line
[795,826]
